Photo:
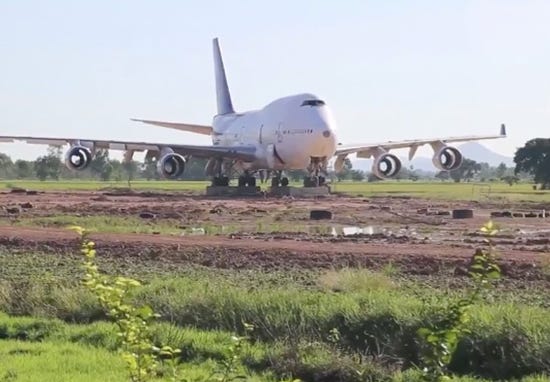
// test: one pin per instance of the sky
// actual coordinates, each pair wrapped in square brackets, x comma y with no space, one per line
[389,70]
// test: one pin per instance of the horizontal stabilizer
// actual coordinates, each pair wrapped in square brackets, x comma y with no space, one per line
[198,129]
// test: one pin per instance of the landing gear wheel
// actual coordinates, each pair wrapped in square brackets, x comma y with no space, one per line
[311,181]
[247,181]
[321,180]
[242,181]
[284,182]
[220,181]
[275,182]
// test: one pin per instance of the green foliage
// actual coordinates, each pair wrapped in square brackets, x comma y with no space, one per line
[48,166]
[441,341]
[534,158]
[467,170]
[133,322]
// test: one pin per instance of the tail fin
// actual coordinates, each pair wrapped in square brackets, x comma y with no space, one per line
[225,106]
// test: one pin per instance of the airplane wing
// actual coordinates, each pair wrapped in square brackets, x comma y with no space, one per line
[198,129]
[245,153]
[366,150]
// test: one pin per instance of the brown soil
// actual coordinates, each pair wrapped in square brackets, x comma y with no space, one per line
[405,235]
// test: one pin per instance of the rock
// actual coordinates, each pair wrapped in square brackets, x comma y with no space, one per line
[13,210]
[32,192]
[147,215]
[320,215]
[17,190]
[463,214]
[26,205]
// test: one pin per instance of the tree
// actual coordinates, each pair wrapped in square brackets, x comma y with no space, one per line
[501,170]
[534,158]
[101,166]
[357,175]
[23,169]
[131,169]
[466,171]
[346,172]
[49,165]
[6,166]
[149,169]
[510,179]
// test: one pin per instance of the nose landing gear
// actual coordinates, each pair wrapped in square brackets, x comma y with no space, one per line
[317,173]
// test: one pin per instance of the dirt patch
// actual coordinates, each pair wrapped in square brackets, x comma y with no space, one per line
[278,233]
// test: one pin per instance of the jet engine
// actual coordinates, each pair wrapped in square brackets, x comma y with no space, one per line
[447,158]
[78,157]
[386,165]
[171,165]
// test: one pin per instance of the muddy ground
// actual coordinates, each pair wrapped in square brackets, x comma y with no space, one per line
[416,235]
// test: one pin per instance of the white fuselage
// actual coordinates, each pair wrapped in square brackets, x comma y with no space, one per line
[287,133]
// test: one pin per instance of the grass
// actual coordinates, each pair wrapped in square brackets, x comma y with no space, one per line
[445,190]
[58,361]
[376,315]
[39,348]
[433,189]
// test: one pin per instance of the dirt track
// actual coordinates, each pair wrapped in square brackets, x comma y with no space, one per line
[405,235]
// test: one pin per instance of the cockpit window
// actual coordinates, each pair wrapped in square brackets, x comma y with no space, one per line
[313,102]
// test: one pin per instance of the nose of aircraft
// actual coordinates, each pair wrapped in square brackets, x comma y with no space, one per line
[324,141]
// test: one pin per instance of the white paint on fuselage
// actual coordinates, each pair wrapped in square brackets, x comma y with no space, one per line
[297,133]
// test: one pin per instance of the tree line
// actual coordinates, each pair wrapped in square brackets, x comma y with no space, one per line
[51,166]
[532,164]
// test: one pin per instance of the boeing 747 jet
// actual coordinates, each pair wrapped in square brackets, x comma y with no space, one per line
[293,132]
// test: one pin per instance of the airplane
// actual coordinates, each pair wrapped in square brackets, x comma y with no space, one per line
[293,132]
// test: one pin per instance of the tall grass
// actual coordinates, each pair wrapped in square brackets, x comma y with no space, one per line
[506,340]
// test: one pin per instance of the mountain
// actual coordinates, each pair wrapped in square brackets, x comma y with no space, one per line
[480,153]
[470,150]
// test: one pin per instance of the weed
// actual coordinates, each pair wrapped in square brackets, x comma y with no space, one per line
[441,341]
[133,322]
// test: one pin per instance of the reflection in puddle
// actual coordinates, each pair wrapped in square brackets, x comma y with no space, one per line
[345,231]
[312,230]
[350,231]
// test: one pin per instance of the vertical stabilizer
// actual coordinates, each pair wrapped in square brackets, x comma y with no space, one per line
[225,106]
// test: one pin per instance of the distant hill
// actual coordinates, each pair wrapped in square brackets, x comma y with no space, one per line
[471,150]
[480,153]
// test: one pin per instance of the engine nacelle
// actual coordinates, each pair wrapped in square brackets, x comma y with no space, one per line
[78,157]
[447,158]
[386,165]
[171,165]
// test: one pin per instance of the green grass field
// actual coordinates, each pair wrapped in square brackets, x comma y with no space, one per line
[293,312]
[438,190]
[52,328]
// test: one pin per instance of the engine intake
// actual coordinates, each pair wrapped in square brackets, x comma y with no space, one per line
[386,166]
[447,158]
[78,157]
[171,166]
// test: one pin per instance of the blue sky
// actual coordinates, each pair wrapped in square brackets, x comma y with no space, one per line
[389,69]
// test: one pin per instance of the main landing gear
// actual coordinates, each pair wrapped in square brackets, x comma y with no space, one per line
[279,180]
[314,181]
[247,180]
[220,181]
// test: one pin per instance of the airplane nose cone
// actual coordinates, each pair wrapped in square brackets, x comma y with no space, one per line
[324,144]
